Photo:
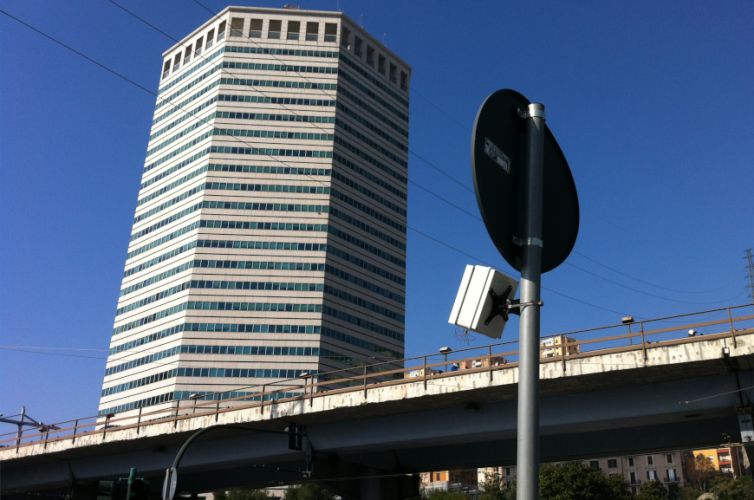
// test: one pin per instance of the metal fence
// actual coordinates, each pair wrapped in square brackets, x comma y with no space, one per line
[724,323]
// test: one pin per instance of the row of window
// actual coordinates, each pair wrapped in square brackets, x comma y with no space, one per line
[221,350]
[362,283]
[154,400]
[399,159]
[344,59]
[391,187]
[375,214]
[374,129]
[353,221]
[219,306]
[286,101]
[251,169]
[179,135]
[363,323]
[228,224]
[385,202]
[199,65]
[375,112]
[194,49]
[379,252]
[169,203]
[215,327]
[366,52]
[273,286]
[227,205]
[188,161]
[187,115]
[353,259]
[298,153]
[360,302]
[398,112]
[164,101]
[273,134]
[175,234]
[275,29]
[249,245]
[177,151]
[357,151]
[164,222]
[176,107]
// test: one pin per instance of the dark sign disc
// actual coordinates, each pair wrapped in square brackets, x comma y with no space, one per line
[498,160]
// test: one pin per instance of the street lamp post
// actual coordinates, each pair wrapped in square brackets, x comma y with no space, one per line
[445,350]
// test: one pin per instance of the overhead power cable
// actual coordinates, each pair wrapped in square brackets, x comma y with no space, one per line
[128,80]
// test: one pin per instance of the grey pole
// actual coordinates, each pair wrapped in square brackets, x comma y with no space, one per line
[528,362]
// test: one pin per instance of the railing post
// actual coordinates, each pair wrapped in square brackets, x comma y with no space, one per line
[311,394]
[643,343]
[489,360]
[177,409]
[365,381]
[47,436]
[261,410]
[424,372]
[732,328]
[75,429]
[138,420]
[564,351]
[107,424]
[217,408]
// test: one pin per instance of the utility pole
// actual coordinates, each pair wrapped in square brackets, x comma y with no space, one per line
[750,273]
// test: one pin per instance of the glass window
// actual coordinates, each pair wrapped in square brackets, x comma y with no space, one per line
[594,464]
[404,80]
[331,32]
[632,477]
[221,31]
[210,38]
[370,55]
[198,49]
[312,31]
[177,61]
[345,36]
[187,55]
[393,70]
[612,463]
[294,28]
[381,64]
[274,29]
[358,44]
[650,460]
[255,29]
[669,458]
[630,461]
[166,69]
[236,26]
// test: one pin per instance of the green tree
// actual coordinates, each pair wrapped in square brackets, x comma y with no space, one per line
[308,491]
[494,488]
[576,481]
[701,473]
[727,488]
[241,494]
[445,495]
[652,490]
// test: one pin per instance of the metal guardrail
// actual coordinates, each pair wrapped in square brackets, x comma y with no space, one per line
[725,323]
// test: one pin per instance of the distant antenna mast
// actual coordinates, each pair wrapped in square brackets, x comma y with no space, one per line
[750,272]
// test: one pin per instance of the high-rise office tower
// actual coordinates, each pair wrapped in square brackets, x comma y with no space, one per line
[270,227]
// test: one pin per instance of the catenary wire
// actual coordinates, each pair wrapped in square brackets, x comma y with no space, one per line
[128,80]
[445,200]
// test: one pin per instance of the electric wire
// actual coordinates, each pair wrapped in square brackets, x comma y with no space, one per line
[130,81]
[436,195]
[464,186]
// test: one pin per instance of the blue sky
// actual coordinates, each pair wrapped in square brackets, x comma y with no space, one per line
[650,102]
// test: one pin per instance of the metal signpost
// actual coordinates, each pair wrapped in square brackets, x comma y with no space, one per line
[528,201]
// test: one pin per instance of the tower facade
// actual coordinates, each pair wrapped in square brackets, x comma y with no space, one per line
[270,229]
